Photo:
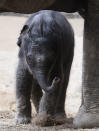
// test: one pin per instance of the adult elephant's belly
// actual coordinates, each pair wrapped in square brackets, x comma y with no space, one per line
[24,6]
[30,6]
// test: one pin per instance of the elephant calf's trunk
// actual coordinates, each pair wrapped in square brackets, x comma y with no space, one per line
[53,86]
[45,86]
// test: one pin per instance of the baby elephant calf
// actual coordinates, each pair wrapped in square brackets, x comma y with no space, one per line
[45,56]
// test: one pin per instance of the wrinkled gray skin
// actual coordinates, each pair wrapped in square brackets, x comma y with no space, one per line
[46,51]
[88,115]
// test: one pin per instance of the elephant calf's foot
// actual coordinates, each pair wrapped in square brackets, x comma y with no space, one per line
[22,120]
[86,119]
[49,120]
[60,118]
[44,120]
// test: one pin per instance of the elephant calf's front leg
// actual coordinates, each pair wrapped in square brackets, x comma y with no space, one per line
[23,90]
[36,95]
[46,110]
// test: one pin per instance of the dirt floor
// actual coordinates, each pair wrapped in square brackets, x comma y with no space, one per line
[9,31]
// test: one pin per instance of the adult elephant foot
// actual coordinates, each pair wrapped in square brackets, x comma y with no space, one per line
[49,120]
[86,119]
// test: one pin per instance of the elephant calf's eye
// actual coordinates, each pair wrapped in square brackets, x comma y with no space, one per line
[40,59]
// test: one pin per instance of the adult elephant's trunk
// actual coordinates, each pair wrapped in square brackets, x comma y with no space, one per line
[88,115]
[44,84]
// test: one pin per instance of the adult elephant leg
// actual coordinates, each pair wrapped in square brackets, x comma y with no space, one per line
[88,115]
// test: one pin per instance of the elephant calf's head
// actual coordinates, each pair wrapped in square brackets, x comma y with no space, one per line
[40,52]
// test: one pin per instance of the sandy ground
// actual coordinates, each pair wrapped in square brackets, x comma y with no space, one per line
[9,31]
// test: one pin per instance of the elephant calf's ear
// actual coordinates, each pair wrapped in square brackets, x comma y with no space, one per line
[23,31]
[19,41]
